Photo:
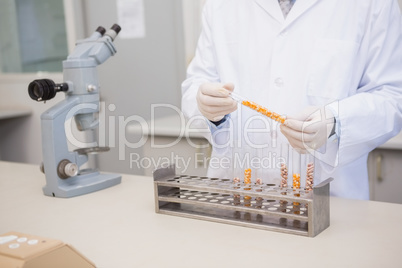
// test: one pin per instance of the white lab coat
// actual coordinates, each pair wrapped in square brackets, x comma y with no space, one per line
[344,52]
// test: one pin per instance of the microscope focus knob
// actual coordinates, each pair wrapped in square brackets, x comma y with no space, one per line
[66,169]
[71,169]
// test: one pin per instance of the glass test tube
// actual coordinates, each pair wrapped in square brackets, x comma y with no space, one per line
[236,197]
[284,166]
[258,199]
[258,108]
[247,186]
[310,170]
[236,171]
[283,161]
[296,169]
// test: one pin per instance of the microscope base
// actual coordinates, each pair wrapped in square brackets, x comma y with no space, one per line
[82,184]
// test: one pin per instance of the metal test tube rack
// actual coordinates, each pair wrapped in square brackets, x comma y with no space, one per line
[271,208]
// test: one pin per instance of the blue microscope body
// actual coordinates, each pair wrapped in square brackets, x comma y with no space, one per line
[81,86]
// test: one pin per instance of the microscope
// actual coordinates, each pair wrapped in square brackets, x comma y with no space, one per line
[62,167]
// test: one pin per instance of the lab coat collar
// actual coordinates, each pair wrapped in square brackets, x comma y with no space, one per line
[273,9]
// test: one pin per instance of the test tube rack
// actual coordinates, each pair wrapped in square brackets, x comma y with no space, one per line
[266,206]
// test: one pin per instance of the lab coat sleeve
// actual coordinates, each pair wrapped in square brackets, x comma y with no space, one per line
[202,69]
[374,115]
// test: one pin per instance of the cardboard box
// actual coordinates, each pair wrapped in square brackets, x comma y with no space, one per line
[18,250]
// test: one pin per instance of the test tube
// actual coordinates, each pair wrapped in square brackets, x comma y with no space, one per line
[310,167]
[247,201]
[237,153]
[247,186]
[296,170]
[283,161]
[258,108]
[236,197]
[258,199]
[247,176]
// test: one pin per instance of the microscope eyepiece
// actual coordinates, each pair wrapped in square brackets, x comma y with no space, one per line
[115,27]
[45,89]
[113,31]
[101,30]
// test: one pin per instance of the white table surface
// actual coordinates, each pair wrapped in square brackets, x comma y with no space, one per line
[117,227]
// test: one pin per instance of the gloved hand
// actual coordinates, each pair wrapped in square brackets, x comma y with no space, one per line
[310,129]
[214,101]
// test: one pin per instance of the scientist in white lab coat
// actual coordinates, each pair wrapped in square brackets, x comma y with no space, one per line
[341,58]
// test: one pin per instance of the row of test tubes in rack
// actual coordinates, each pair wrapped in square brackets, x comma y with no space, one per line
[300,166]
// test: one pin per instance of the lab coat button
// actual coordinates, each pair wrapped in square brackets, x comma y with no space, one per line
[279,82]
[284,33]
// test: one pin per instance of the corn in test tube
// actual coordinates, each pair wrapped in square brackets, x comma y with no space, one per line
[247,181]
[296,181]
[258,108]
[309,172]
[258,200]
[310,177]
[284,165]
[296,166]
[296,171]
[247,176]
[236,197]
